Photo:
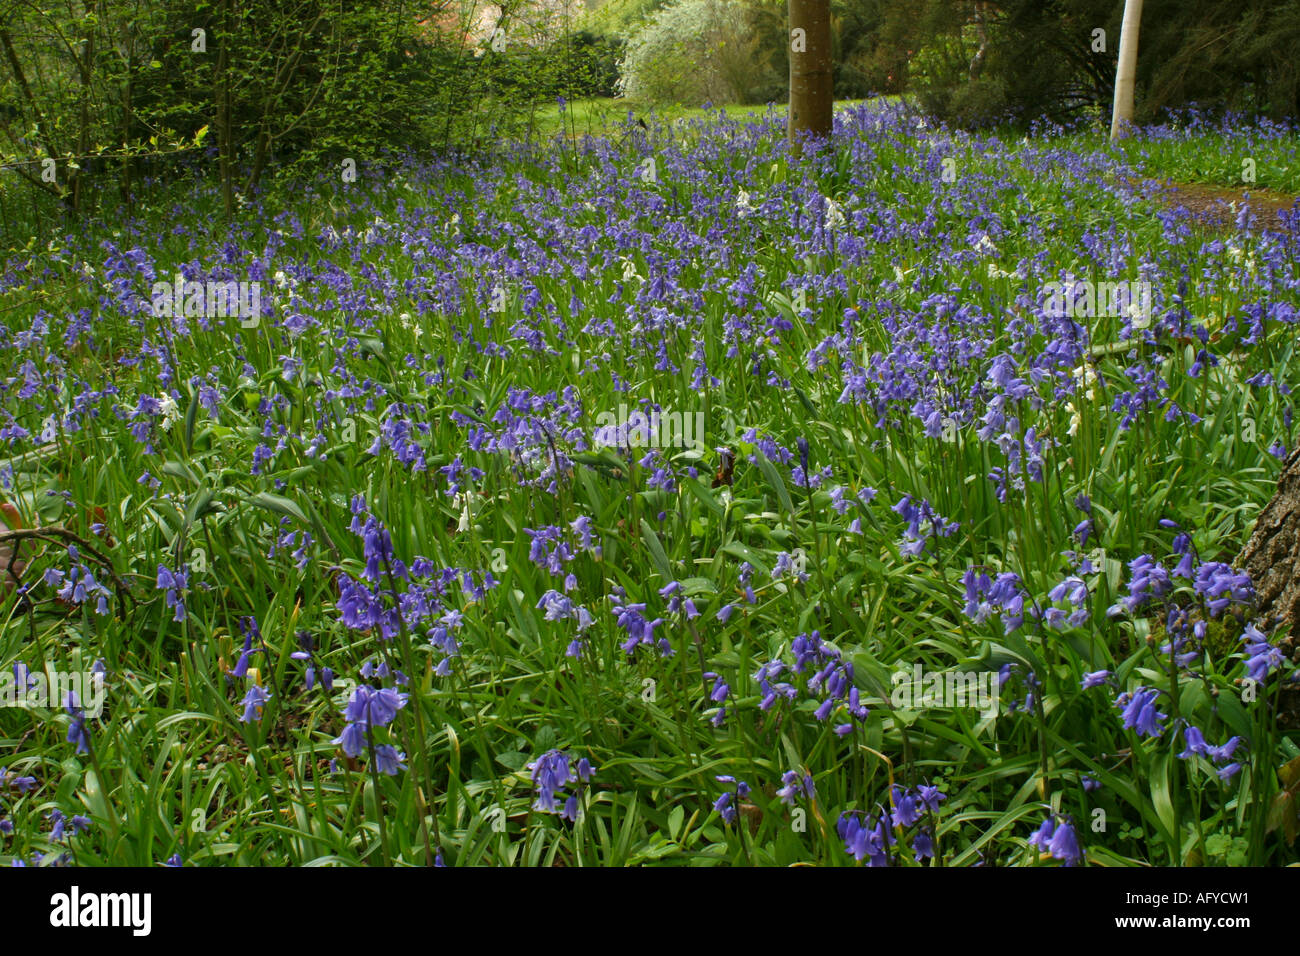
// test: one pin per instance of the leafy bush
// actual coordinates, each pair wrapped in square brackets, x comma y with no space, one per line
[691,51]
[978,104]
[578,65]
[1056,58]
[977,73]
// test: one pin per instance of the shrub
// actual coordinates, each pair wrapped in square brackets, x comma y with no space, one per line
[690,51]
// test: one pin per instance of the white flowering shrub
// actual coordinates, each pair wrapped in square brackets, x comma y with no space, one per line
[690,52]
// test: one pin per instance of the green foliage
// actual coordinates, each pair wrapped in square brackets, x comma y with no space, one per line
[692,52]
[1045,58]
[121,95]
[1015,61]
[581,64]
[1239,56]
[618,18]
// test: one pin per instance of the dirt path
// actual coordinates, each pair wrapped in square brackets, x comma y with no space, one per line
[1219,206]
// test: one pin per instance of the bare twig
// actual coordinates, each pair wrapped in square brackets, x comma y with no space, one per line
[65,537]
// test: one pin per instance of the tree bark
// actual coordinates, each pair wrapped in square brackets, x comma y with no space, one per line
[982,31]
[1126,71]
[1272,559]
[85,69]
[225,134]
[812,86]
[1272,555]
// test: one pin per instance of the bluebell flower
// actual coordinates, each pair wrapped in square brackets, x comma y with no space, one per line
[727,804]
[352,740]
[1095,679]
[930,797]
[793,786]
[864,839]
[1196,745]
[1042,837]
[570,811]
[11,779]
[388,760]
[907,808]
[1223,586]
[1224,751]
[1140,713]
[1262,657]
[248,625]
[77,733]
[1064,845]
[254,701]
[174,584]
[552,773]
[725,807]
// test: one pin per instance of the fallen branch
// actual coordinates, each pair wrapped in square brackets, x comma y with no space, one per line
[65,537]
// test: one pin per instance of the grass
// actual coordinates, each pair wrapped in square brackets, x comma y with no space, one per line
[1230,152]
[599,116]
[1259,160]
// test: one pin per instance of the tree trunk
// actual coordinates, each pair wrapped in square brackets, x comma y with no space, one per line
[85,68]
[1126,71]
[51,152]
[812,88]
[1272,559]
[128,106]
[981,31]
[1272,555]
[225,135]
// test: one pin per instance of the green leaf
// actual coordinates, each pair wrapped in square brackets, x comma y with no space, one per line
[774,479]
[278,504]
[1161,798]
[705,496]
[204,503]
[178,469]
[656,548]
[191,416]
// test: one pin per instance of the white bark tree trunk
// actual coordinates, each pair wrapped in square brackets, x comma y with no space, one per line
[1126,71]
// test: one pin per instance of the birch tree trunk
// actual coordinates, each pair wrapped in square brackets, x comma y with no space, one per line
[812,91]
[982,31]
[1126,71]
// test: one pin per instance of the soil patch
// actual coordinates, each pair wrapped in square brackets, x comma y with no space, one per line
[1220,206]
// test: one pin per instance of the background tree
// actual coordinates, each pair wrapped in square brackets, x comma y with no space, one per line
[812,91]
[1126,71]
[1058,58]
[130,92]
[692,52]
